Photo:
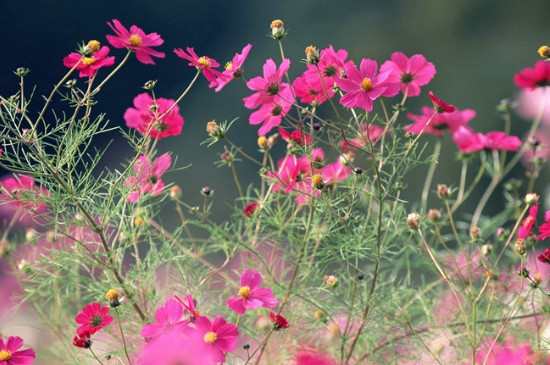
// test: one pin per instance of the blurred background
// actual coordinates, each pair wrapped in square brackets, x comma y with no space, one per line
[476,45]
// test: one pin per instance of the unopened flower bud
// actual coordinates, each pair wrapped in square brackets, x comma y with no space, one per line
[70,84]
[475,234]
[347,158]
[206,191]
[24,266]
[150,85]
[434,215]
[519,247]
[272,140]
[138,221]
[523,271]
[486,249]
[277,29]
[227,157]
[502,233]
[262,143]
[153,107]
[312,55]
[92,47]
[317,181]
[537,279]
[22,71]
[531,199]
[113,297]
[213,129]
[399,185]
[409,135]
[330,280]
[316,126]
[443,191]
[413,220]
[30,234]
[357,170]
[246,346]
[544,51]
[319,314]
[360,276]
[175,192]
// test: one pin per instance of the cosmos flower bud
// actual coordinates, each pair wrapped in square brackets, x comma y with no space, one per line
[531,199]
[277,29]
[486,249]
[413,220]
[312,55]
[92,47]
[523,271]
[544,51]
[113,297]
[434,215]
[21,71]
[443,191]
[519,247]
[347,158]
[317,181]
[206,191]
[149,85]
[319,314]
[262,143]
[175,192]
[475,234]
[213,129]
[70,84]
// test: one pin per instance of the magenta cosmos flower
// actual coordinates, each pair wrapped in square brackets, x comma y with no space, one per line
[203,63]
[93,318]
[233,69]
[9,354]
[136,40]
[21,191]
[218,336]
[272,112]
[89,64]
[409,73]
[468,141]
[364,85]
[440,122]
[167,318]
[250,295]
[544,228]
[528,222]
[268,86]
[147,176]
[439,105]
[531,78]
[148,117]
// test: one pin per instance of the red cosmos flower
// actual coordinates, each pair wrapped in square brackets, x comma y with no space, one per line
[545,256]
[147,176]
[531,78]
[297,137]
[279,322]
[364,85]
[409,73]
[233,69]
[9,354]
[250,295]
[145,117]
[528,222]
[544,228]
[83,341]
[439,105]
[89,65]
[440,123]
[136,40]
[206,64]
[93,318]
[219,336]
[250,209]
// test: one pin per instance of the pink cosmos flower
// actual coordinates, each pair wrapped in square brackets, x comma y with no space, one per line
[528,222]
[250,295]
[21,191]
[439,105]
[364,85]
[440,123]
[296,137]
[509,353]
[530,103]
[268,86]
[233,69]
[310,89]
[294,174]
[167,318]
[308,356]
[147,176]
[218,336]
[89,65]
[189,304]
[204,63]
[331,64]
[468,141]
[531,78]
[9,354]
[93,318]
[272,112]
[409,73]
[136,40]
[544,228]
[145,117]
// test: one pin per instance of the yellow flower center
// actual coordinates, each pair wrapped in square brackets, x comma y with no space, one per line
[5,355]
[244,292]
[366,84]
[88,61]
[228,65]
[205,62]
[93,46]
[210,337]
[135,40]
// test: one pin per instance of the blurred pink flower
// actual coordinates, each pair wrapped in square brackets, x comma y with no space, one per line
[509,353]
[363,86]
[531,101]
[136,40]
[440,123]
[203,63]
[93,318]
[219,336]
[9,354]
[21,191]
[544,229]
[369,133]
[88,65]
[528,222]
[539,147]
[409,73]
[250,295]
[145,117]
[468,141]
[309,356]
[233,69]
[531,78]
[147,176]
[167,318]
